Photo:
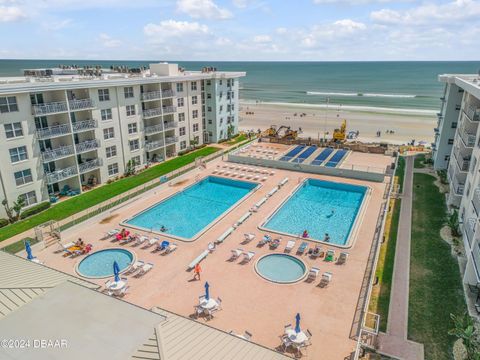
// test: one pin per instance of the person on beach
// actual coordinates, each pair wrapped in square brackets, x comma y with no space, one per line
[196,272]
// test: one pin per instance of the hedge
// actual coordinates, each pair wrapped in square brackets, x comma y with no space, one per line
[35,209]
[3,222]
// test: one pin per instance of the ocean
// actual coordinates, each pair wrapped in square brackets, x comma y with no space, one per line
[397,85]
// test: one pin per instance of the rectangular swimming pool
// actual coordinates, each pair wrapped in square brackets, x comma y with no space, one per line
[189,212]
[320,207]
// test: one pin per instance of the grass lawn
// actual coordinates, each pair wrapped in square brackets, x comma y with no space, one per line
[236,140]
[435,283]
[418,162]
[380,298]
[400,173]
[102,193]
[19,245]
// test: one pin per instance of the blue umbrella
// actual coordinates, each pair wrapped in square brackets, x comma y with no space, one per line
[297,324]
[28,249]
[207,294]
[116,271]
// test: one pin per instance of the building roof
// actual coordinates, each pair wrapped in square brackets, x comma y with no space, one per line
[468,82]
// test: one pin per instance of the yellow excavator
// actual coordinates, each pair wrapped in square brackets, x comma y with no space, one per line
[274,132]
[339,135]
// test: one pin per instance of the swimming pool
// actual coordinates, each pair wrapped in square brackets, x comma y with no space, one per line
[188,213]
[100,263]
[281,268]
[319,207]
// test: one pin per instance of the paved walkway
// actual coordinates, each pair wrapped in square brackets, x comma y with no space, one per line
[395,342]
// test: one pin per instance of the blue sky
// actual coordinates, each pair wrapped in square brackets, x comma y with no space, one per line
[241,29]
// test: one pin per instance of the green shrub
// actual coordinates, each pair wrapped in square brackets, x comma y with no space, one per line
[3,222]
[35,209]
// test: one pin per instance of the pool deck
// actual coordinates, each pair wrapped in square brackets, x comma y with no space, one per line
[249,301]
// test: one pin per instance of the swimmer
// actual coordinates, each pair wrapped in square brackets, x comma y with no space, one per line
[331,214]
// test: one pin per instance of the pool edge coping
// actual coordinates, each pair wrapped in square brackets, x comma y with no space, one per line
[300,279]
[134,260]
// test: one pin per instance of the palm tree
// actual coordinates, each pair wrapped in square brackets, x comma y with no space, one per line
[452,223]
[464,329]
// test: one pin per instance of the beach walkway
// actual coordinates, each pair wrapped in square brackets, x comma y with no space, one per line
[395,342]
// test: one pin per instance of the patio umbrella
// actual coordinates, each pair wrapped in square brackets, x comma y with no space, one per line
[297,324]
[116,271]
[28,249]
[207,293]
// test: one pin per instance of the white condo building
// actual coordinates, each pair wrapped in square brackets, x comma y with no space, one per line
[74,127]
[457,150]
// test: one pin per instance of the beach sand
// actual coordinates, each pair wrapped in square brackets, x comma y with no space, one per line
[407,124]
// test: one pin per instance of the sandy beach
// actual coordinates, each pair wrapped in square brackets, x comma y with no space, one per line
[406,124]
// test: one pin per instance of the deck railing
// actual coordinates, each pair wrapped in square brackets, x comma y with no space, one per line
[84,125]
[152,112]
[81,104]
[53,131]
[50,108]
[153,145]
[59,175]
[153,129]
[87,145]
[57,153]
[151,95]
[89,165]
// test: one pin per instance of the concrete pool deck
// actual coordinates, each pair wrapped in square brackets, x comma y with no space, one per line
[249,301]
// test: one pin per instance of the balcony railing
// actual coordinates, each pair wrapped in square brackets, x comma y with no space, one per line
[468,138]
[170,125]
[87,146]
[457,187]
[171,139]
[53,131]
[81,104]
[59,175]
[151,95]
[84,125]
[167,93]
[153,129]
[473,112]
[476,200]
[470,229]
[50,108]
[153,145]
[169,109]
[58,153]
[152,112]
[89,165]
[463,163]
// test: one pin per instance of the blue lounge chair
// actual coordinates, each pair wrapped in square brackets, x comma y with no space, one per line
[303,246]
[163,245]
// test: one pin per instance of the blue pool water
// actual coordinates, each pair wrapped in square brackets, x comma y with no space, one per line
[188,212]
[100,263]
[310,208]
[281,268]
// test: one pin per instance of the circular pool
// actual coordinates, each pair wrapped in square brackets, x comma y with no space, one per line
[100,264]
[281,268]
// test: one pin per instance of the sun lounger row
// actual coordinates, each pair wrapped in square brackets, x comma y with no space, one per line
[283,182]
[273,191]
[161,246]
[242,219]
[326,276]
[199,258]
[222,237]
[237,253]
[139,268]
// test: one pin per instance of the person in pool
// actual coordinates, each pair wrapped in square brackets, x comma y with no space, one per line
[163,228]
[305,234]
[326,238]
[331,214]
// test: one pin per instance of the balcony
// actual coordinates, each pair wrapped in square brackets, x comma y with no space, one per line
[88,145]
[153,129]
[151,95]
[170,125]
[59,175]
[169,109]
[171,140]
[153,145]
[81,104]
[457,186]
[89,165]
[58,153]
[53,131]
[468,139]
[476,201]
[469,229]
[463,163]
[152,113]
[473,112]
[50,108]
[167,93]
[84,125]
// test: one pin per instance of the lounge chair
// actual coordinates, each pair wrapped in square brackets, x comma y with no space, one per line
[170,248]
[211,247]
[110,233]
[303,246]
[163,245]
[247,256]
[199,258]
[249,237]
[222,237]
[247,335]
[290,245]
[144,269]
[135,266]
[264,178]
[265,240]
[326,279]
[236,253]
[275,243]
[317,251]
[122,292]
[313,273]
[141,239]
[152,241]
[64,247]
[342,258]
[330,255]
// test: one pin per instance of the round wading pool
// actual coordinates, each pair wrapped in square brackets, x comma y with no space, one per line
[100,264]
[281,268]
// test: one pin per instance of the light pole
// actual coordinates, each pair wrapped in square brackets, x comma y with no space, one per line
[325,123]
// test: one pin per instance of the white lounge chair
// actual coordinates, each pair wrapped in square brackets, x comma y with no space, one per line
[264,178]
[236,253]
[141,240]
[122,292]
[135,266]
[144,269]
[283,182]
[290,245]
[170,248]
[249,237]
[326,279]
[313,273]
[199,258]
[110,234]
[342,258]
[247,256]
[215,171]
[152,241]
[222,237]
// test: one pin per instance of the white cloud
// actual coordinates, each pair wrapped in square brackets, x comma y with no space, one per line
[172,28]
[262,39]
[349,2]
[108,41]
[203,9]
[240,3]
[56,25]
[11,14]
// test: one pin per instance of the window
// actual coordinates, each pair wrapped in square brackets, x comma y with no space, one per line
[103,95]
[209,96]
[209,82]
[220,108]
[210,121]
[8,104]
[183,144]
[134,144]
[450,141]
[209,109]
[180,102]
[454,125]
[13,130]
[447,157]
[108,133]
[130,110]
[181,131]
[179,87]
[220,82]
[132,128]
[30,198]
[111,151]
[18,154]
[23,177]
[195,114]
[195,127]
[136,160]
[193,85]
[128,91]
[112,169]
[194,100]
[106,114]
[181,117]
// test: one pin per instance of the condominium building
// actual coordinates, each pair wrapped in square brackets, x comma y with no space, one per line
[74,128]
[457,150]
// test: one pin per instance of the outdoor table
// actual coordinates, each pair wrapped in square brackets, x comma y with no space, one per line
[116,286]
[208,304]
[296,338]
